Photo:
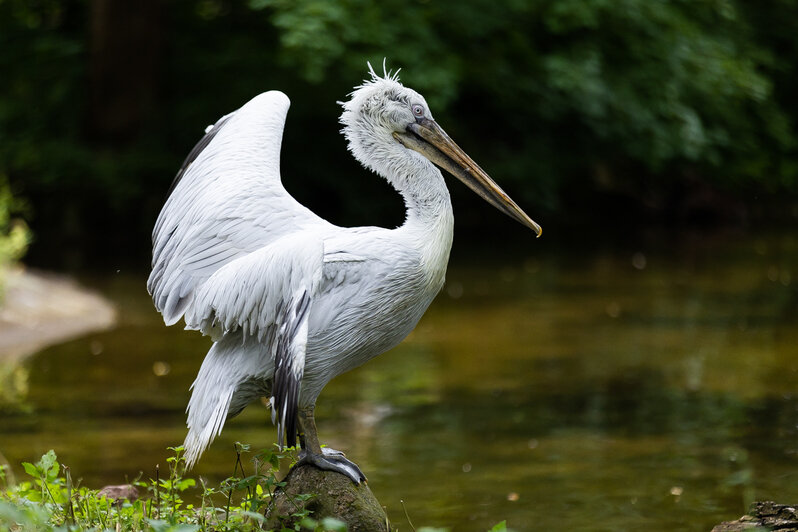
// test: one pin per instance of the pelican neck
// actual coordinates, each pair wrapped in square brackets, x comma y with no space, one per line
[429,221]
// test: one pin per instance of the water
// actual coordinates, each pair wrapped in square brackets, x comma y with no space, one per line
[651,388]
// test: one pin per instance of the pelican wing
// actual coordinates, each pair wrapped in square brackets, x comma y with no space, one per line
[266,295]
[254,292]
[227,202]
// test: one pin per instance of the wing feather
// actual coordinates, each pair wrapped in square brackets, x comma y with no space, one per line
[265,293]
[227,202]
[210,133]
[289,367]
[250,292]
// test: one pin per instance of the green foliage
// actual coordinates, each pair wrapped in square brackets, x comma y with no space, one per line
[14,233]
[327,524]
[656,82]
[41,105]
[321,37]
[51,502]
[14,384]
[557,100]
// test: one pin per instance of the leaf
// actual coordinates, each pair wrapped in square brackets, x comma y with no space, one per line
[499,527]
[254,515]
[31,469]
[186,483]
[309,522]
[333,525]
[159,525]
[48,465]
[242,447]
[246,482]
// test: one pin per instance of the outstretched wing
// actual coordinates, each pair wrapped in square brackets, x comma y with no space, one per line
[227,202]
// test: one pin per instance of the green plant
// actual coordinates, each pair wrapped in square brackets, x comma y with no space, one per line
[14,233]
[50,501]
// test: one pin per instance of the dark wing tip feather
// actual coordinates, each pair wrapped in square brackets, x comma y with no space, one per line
[286,387]
[173,305]
[285,394]
[196,150]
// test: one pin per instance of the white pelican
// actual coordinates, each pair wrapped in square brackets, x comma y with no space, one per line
[289,299]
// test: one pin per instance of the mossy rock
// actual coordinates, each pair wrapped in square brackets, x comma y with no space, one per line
[763,516]
[333,495]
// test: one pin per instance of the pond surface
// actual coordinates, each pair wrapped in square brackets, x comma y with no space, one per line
[644,389]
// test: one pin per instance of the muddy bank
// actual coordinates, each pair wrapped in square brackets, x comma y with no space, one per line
[40,308]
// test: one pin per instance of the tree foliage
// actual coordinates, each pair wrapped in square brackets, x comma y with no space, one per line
[665,84]
[556,99]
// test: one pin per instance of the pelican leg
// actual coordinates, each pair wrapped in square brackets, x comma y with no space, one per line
[327,459]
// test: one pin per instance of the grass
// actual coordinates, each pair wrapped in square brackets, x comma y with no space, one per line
[51,501]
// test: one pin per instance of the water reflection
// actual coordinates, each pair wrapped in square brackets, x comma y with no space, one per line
[620,391]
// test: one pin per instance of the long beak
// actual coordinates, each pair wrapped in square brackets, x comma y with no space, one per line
[431,141]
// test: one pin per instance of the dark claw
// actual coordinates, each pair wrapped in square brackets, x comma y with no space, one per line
[332,460]
[331,452]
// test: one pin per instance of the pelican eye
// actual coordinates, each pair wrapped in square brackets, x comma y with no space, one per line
[418,111]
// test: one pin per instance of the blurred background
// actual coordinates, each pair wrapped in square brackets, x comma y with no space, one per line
[601,117]
[635,365]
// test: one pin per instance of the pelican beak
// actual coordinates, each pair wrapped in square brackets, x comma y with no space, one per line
[431,141]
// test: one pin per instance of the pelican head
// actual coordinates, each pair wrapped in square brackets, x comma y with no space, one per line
[383,115]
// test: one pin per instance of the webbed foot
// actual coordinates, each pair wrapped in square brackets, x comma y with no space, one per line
[332,460]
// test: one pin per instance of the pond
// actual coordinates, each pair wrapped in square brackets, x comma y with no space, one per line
[652,388]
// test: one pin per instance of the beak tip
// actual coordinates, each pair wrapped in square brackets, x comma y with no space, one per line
[534,226]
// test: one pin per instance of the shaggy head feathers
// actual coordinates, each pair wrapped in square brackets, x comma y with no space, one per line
[375,110]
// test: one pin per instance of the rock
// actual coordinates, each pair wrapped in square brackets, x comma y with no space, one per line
[764,514]
[119,492]
[334,495]
[746,522]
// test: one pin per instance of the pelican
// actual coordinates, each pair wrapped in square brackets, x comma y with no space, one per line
[289,299]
